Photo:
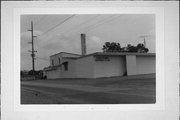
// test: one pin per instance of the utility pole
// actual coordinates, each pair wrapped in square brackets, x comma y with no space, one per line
[83,43]
[32,43]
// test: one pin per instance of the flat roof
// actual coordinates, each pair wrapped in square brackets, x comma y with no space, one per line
[71,58]
[106,54]
[117,54]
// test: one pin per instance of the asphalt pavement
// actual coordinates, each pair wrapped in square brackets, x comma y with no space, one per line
[138,92]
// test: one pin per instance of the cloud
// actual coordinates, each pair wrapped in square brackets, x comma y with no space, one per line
[60,42]
[151,40]
[94,44]
[96,39]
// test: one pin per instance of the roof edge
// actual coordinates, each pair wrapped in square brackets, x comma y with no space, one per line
[117,53]
[65,53]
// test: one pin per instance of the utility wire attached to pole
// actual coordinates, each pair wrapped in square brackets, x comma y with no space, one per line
[32,51]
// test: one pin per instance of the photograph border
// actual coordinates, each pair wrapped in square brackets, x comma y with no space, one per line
[170,68]
[159,13]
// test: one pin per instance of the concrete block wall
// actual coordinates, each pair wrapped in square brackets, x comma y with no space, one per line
[145,64]
[131,64]
[116,66]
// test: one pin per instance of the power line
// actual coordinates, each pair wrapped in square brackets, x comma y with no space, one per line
[107,19]
[42,58]
[58,24]
[96,23]
[99,22]
[102,22]
[86,22]
[37,57]
[80,25]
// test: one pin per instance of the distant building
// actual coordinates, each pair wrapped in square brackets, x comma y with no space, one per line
[95,65]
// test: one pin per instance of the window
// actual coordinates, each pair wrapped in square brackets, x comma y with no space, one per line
[59,61]
[65,66]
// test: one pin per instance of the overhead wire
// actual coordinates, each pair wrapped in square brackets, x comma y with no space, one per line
[36,57]
[68,18]
[42,58]
[80,25]
[86,22]
[96,23]
[107,19]
[101,23]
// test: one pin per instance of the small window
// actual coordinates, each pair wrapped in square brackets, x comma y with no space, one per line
[59,61]
[65,66]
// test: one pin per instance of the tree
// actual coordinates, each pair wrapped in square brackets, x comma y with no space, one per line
[111,47]
[116,47]
[141,48]
[106,46]
[131,48]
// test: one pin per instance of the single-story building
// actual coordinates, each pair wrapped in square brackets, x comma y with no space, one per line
[99,64]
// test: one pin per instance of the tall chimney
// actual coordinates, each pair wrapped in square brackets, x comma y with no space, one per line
[83,43]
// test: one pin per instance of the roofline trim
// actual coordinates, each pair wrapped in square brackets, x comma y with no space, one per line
[65,53]
[117,54]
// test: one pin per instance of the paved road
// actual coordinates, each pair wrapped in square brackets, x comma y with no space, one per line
[68,93]
[81,88]
[73,87]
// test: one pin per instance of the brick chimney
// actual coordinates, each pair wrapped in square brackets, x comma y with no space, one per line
[83,44]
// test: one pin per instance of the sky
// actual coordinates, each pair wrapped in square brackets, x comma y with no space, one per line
[61,33]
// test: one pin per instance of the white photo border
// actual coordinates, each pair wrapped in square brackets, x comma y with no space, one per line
[160,58]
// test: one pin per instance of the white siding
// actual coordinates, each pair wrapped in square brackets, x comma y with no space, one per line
[115,67]
[69,55]
[71,72]
[146,64]
[60,55]
[54,74]
[56,59]
[131,64]
[85,67]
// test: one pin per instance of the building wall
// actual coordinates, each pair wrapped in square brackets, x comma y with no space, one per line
[53,74]
[71,71]
[55,61]
[116,66]
[85,67]
[145,64]
[69,55]
[131,64]
[90,67]
[60,56]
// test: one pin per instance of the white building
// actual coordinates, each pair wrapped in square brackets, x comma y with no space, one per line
[69,65]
